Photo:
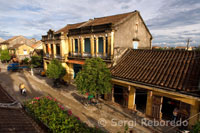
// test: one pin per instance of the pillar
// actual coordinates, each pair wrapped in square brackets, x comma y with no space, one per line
[73,45]
[49,48]
[70,45]
[82,46]
[45,65]
[104,46]
[131,98]
[194,113]
[109,45]
[44,48]
[113,98]
[92,45]
[149,103]
[79,46]
[54,50]
[112,44]
[97,46]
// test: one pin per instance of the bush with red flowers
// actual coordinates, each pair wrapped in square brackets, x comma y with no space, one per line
[56,117]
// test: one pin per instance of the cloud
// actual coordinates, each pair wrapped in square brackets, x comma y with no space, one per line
[170,22]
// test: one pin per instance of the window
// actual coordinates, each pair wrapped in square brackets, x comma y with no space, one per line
[135,44]
[76,45]
[58,49]
[100,44]
[25,52]
[87,45]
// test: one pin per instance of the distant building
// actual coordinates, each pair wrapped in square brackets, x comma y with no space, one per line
[16,40]
[184,48]
[21,51]
[105,37]
[38,48]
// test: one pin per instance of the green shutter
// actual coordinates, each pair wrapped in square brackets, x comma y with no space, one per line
[100,44]
[87,45]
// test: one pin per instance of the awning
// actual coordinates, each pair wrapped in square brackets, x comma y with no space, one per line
[76,62]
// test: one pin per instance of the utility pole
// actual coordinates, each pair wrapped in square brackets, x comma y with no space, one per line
[188,43]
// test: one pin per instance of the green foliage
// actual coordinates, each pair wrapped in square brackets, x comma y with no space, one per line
[4,55]
[53,114]
[196,128]
[25,61]
[94,78]
[36,61]
[55,70]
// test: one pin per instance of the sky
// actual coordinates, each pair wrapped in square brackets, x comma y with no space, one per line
[171,22]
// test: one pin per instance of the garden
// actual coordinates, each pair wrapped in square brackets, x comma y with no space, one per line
[58,119]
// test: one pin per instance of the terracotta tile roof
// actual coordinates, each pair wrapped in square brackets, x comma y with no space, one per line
[170,69]
[69,26]
[7,41]
[14,120]
[16,46]
[37,44]
[97,21]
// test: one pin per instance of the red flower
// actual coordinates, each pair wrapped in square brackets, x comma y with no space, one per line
[69,112]
[37,98]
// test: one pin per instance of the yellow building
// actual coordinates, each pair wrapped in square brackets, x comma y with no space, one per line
[157,82]
[105,37]
[21,51]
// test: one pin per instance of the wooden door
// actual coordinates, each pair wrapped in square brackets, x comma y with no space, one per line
[156,107]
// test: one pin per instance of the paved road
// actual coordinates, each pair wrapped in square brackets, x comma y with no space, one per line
[109,116]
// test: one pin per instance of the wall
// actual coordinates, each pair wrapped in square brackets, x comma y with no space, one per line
[125,32]
[20,50]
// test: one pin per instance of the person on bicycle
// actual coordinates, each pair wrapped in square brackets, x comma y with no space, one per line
[90,97]
[22,88]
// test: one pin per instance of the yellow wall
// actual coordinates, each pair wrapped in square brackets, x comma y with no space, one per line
[20,50]
[3,47]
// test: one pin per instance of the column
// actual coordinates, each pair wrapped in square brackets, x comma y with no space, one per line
[131,98]
[194,116]
[79,47]
[112,44]
[44,48]
[49,49]
[149,103]
[109,45]
[113,98]
[104,46]
[62,46]
[92,45]
[82,46]
[70,45]
[97,46]
[73,45]
[54,50]
[45,66]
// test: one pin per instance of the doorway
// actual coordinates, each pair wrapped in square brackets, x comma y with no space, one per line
[120,95]
[77,68]
[141,100]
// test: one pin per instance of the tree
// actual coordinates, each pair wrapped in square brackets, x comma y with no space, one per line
[36,61]
[5,56]
[56,71]
[94,78]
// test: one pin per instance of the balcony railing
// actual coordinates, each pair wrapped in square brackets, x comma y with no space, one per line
[88,55]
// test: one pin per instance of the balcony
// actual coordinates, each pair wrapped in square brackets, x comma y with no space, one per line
[88,55]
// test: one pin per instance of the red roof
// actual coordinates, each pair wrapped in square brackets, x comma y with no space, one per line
[97,21]
[170,69]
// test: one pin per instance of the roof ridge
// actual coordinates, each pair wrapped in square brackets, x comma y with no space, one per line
[116,14]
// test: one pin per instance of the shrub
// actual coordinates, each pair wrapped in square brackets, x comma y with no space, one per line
[196,128]
[53,114]
[25,61]
[5,56]
[36,61]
